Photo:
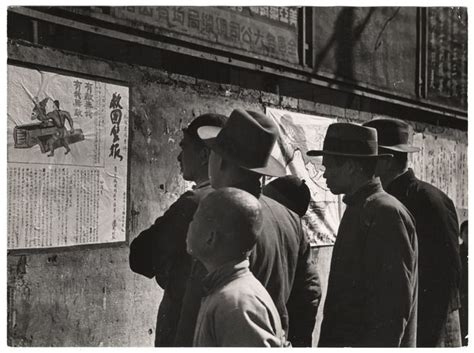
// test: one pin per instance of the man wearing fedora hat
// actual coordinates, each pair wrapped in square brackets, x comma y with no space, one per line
[439,263]
[372,290]
[281,259]
[160,251]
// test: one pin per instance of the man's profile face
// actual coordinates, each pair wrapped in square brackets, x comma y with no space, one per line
[189,157]
[336,174]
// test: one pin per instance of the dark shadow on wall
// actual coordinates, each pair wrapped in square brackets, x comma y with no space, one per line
[344,36]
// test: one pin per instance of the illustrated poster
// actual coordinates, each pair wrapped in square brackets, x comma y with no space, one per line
[298,134]
[67,160]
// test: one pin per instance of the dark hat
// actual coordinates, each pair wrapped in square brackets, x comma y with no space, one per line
[208,119]
[350,140]
[291,192]
[247,139]
[394,135]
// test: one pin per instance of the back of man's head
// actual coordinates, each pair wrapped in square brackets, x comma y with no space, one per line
[208,119]
[290,191]
[235,218]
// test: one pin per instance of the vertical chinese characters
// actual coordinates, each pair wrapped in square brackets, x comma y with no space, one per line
[115,117]
[77,99]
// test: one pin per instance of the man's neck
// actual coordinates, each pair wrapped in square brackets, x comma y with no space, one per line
[359,182]
[391,175]
[202,177]
[215,265]
[238,179]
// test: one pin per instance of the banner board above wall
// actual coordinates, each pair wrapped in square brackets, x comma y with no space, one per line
[266,32]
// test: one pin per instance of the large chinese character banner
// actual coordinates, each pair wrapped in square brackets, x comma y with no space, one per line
[67,160]
[300,133]
[270,32]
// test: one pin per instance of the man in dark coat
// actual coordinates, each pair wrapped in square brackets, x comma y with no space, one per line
[463,289]
[281,259]
[437,228]
[160,251]
[372,290]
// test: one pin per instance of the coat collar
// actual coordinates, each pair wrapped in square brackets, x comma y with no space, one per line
[363,193]
[398,186]
[225,274]
[202,185]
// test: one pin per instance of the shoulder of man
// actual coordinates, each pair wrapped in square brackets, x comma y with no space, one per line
[278,209]
[429,193]
[384,204]
[192,197]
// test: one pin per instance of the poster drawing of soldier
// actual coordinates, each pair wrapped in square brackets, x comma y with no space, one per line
[51,133]
[59,117]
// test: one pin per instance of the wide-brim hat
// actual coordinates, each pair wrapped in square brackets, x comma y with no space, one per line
[246,139]
[393,135]
[349,140]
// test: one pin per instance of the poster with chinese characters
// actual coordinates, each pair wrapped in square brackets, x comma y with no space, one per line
[300,133]
[443,163]
[67,153]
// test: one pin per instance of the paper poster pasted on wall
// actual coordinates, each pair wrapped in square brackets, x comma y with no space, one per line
[67,160]
[443,163]
[298,134]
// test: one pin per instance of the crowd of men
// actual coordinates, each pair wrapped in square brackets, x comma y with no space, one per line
[237,268]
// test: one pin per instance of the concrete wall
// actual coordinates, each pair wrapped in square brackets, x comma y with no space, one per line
[88,296]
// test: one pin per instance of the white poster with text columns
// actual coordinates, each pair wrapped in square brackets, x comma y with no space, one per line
[67,153]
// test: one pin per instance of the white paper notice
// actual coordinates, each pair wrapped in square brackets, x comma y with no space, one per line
[443,163]
[67,160]
[298,134]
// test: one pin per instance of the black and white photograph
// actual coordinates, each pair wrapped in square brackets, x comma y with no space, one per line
[210,175]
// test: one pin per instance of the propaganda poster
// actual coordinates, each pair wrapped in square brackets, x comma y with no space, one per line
[67,158]
[300,133]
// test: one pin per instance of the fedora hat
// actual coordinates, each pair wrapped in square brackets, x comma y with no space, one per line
[394,135]
[350,140]
[246,139]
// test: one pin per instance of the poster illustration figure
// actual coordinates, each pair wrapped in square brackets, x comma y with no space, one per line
[51,132]
[298,134]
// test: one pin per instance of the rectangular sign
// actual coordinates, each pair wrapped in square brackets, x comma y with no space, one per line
[447,55]
[298,134]
[67,160]
[268,32]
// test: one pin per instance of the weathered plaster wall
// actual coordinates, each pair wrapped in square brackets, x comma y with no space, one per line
[89,296]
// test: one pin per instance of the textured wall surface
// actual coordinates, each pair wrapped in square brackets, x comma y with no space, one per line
[88,296]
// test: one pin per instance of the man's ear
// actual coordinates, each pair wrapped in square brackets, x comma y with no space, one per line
[350,167]
[211,239]
[204,155]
